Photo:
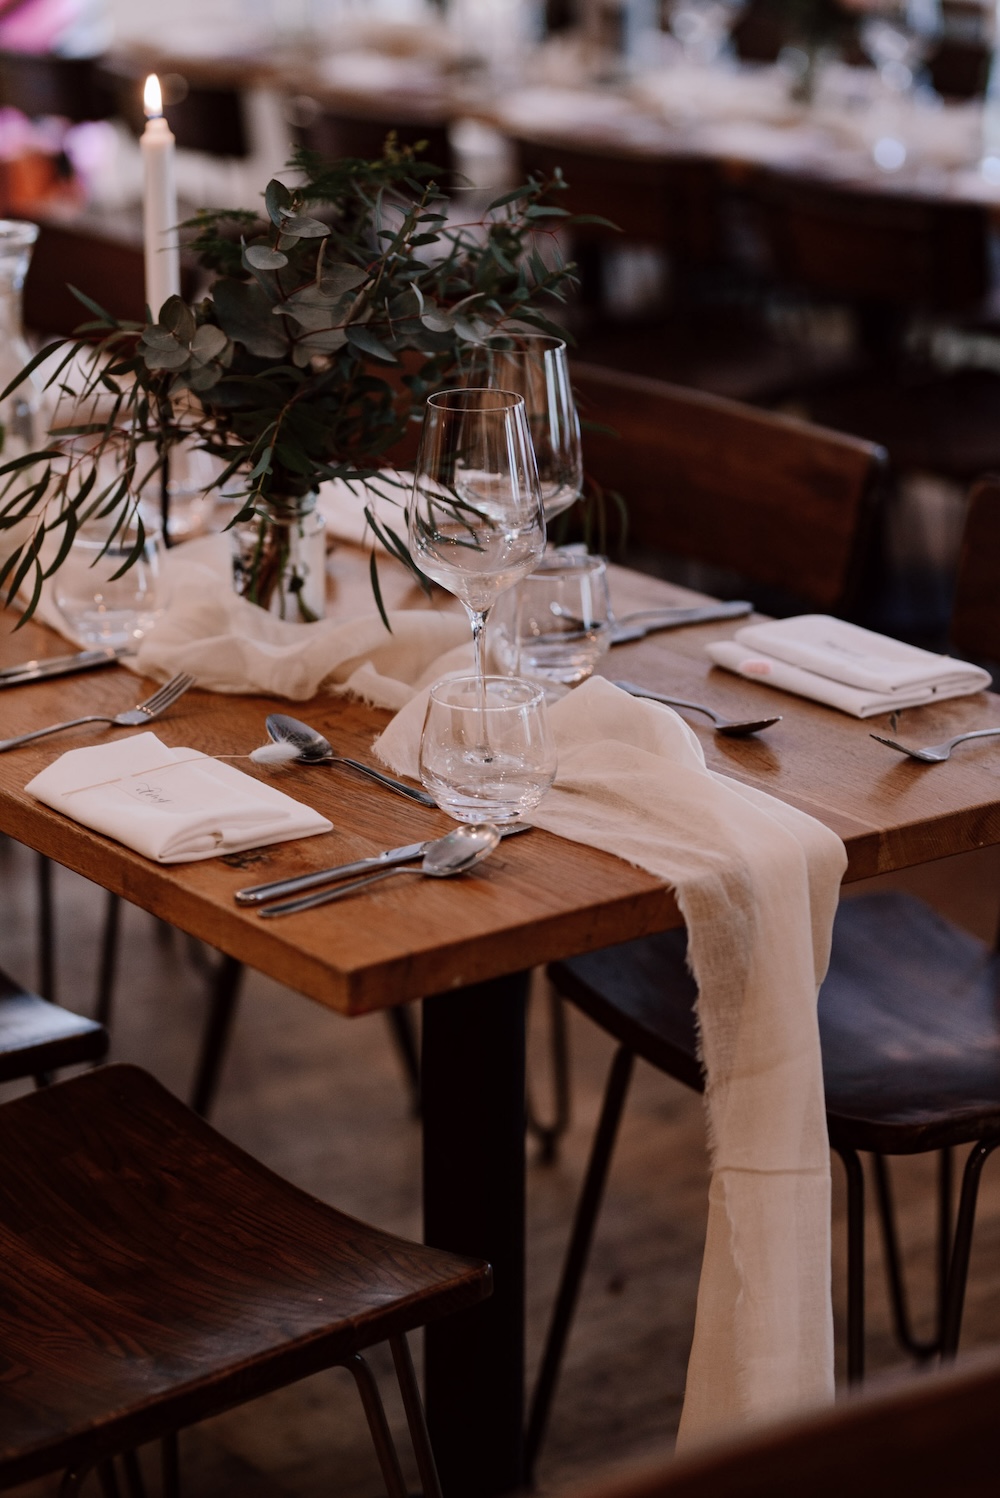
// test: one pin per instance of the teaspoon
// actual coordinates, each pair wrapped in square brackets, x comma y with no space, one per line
[728,726]
[314,749]
[448,855]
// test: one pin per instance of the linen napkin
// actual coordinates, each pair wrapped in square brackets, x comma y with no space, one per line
[172,805]
[844,666]
[230,645]
[757,883]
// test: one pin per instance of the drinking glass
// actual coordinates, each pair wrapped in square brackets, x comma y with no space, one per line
[554,626]
[100,608]
[475,521]
[473,784]
[534,365]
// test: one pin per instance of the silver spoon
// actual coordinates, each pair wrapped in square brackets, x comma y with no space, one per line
[451,854]
[936,754]
[732,729]
[314,749]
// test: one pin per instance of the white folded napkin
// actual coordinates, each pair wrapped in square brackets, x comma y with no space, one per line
[757,883]
[844,666]
[172,805]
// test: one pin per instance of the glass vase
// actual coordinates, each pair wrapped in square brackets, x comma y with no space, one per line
[23,423]
[280,559]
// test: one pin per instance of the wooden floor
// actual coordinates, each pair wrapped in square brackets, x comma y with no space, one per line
[322,1100]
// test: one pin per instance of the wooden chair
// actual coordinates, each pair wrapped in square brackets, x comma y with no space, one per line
[37,1038]
[930,1437]
[155,1275]
[910,1033]
[786,504]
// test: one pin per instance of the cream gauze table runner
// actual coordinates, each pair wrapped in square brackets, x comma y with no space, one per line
[757,883]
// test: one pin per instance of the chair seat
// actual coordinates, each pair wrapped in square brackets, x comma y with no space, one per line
[36,1036]
[154,1274]
[909,1022]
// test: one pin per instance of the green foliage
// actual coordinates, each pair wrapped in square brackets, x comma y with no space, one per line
[332,315]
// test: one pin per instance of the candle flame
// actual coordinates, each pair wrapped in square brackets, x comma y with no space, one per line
[152,98]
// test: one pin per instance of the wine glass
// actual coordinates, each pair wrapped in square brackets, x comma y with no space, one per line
[475,521]
[535,366]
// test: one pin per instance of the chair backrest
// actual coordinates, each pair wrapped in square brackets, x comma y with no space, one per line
[102,260]
[975,620]
[782,502]
[903,251]
[934,1437]
[675,203]
[42,84]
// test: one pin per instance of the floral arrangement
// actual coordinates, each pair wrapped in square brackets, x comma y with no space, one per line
[328,320]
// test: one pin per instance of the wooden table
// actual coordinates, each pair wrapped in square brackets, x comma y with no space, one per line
[469,944]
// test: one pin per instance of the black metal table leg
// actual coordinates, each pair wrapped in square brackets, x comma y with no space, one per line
[473,1126]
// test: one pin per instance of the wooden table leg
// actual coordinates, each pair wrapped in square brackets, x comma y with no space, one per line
[473,1118]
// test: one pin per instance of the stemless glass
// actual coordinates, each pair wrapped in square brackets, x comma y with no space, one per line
[556,624]
[495,786]
[475,521]
[100,608]
[534,365]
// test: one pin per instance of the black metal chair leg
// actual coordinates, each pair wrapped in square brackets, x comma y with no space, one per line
[945,1175]
[404,1035]
[415,1419]
[170,1466]
[578,1253]
[921,1350]
[392,1474]
[108,966]
[222,1006]
[549,1134]
[855,1263]
[46,931]
[108,1478]
[133,1475]
[958,1272]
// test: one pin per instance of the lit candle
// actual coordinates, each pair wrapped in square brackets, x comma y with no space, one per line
[163,272]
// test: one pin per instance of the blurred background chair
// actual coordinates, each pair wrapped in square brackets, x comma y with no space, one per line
[783,507]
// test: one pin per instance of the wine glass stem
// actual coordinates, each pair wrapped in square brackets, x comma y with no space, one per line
[478,618]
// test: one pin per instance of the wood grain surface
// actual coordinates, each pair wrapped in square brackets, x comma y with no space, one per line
[539,897]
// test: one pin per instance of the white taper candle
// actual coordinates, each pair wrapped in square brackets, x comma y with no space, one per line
[163,271]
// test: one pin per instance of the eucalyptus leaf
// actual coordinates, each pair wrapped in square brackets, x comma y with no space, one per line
[208,342]
[261,257]
[277,200]
[157,358]
[177,317]
[302,227]
[364,338]
[244,313]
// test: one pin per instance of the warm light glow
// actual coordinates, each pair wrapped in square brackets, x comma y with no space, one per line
[152,98]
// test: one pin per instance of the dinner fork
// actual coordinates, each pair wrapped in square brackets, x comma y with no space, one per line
[143,712]
[935,754]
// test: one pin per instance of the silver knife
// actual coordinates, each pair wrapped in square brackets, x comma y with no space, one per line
[257,894]
[58,665]
[638,626]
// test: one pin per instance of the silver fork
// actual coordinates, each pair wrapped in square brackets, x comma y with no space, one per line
[935,754]
[143,712]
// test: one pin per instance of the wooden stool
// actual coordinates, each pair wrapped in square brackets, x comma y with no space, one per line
[155,1275]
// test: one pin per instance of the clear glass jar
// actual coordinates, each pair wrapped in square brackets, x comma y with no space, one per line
[279,559]
[23,425]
